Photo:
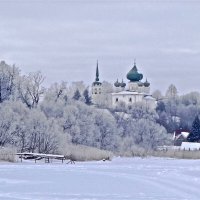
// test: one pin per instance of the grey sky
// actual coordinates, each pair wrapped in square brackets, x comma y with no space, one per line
[63,39]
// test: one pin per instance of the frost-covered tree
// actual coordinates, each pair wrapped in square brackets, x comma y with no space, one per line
[29,130]
[149,134]
[78,85]
[8,81]
[192,98]
[90,126]
[146,133]
[30,89]
[187,114]
[168,114]
[106,132]
[78,121]
[172,91]
[56,92]
[157,95]
[77,95]
[54,100]
[139,110]
[7,126]
[53,109]
[195,132]
[42,134]
[12,120]
[87,97]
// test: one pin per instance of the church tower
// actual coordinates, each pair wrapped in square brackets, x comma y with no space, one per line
[96,87]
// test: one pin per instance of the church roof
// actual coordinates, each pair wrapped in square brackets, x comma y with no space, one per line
[133,74]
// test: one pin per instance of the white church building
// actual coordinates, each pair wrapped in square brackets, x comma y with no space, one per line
[135,91]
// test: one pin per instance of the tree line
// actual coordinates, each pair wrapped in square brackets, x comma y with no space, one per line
[45,120]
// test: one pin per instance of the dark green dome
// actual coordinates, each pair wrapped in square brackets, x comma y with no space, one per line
[117,84]
[133,74]
[146,83]
[123,84]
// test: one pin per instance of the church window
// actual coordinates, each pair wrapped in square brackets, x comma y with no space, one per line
[130,99]
[117,99]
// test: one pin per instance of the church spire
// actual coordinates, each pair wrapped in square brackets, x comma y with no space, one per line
[135,67]
[97,73]
[135,62]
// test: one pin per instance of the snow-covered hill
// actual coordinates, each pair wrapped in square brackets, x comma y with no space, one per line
[120,179]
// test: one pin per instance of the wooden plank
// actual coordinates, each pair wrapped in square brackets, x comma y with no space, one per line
[42,155]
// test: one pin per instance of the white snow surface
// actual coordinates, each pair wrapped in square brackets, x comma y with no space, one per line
[120,179]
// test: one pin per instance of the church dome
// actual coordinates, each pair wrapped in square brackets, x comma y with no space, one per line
[123,84]
[133,74]
[146,83]
[117,84]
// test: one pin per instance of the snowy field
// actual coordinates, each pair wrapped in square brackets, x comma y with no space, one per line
[120,179]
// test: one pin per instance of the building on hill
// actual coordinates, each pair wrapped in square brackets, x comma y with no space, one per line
[135,91]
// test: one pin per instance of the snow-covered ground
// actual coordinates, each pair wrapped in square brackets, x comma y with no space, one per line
[120,179]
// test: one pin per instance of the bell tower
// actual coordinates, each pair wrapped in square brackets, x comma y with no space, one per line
[96,86]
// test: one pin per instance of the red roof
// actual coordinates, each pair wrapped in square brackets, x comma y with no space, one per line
[179,131]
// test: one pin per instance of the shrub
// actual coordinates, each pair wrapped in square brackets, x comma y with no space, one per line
[7,154]
[85,153]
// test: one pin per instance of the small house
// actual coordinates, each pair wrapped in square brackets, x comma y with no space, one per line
[180,136]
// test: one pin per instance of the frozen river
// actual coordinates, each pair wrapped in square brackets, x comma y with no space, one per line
[120,179]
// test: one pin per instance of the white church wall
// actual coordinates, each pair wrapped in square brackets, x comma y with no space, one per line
[126,98]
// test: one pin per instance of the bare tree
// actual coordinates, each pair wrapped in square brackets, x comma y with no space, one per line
[30,89]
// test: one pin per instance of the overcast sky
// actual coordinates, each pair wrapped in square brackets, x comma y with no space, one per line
[63,39]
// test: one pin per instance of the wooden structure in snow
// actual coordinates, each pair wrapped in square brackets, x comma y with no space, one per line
[40,156]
